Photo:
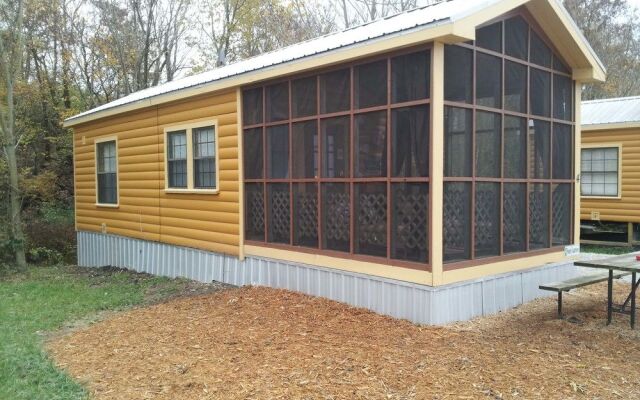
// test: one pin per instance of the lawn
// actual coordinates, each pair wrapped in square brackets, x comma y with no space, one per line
[46,299]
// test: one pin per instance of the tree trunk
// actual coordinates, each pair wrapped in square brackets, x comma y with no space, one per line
[15,205]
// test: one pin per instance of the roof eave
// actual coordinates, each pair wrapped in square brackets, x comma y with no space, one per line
[444,31]
[610,126]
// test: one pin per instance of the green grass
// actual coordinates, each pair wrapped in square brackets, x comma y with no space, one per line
[44,299]
[613,250]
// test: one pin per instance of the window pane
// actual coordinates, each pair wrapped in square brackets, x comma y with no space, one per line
[278,214]
[335,147]
[254,211]
[490,37]
[457,141]
[538,216]
[410,141]
[540,92]
[305,149]
[562,98]
[458,74]
[371,84]
[561,214]
[540,52]
[562,151]
[515,147]
[514,222]
[488,81]
[177,159]
[515,87]
[457,221]
[488,132]
[410,77]
[371,219]
[253,153]
[336,216]
[539,149]
[371,144]
[177,173]
[410,202]
[107,188]
[278,151]
[559,65]
[305,217]
[304,97]
[335,89]
[277,102]
[516,33]
[177,146]
[204,170]
[107,157]
[487,216]
[252,106]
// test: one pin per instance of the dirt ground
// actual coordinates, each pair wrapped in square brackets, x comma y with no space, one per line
[260,343]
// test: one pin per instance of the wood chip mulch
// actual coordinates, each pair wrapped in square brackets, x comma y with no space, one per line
[261,343]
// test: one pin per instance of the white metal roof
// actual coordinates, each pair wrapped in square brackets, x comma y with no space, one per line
[611,111]
[416,20]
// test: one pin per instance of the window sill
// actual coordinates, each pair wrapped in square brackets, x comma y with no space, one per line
[102,205]
[619,197]
[192,191]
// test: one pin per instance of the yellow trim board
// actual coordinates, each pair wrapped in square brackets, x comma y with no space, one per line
[501,267]
[610,126]
[361,267]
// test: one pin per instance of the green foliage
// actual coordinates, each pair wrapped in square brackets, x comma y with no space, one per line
[45,299]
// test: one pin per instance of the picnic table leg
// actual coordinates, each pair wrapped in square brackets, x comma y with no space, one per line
[633,300]
[560,304]
[610,297]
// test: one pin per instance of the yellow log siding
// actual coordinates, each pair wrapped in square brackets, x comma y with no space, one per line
[145,210]
[626,208]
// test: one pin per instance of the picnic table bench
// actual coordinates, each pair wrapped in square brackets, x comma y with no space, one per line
[577,282]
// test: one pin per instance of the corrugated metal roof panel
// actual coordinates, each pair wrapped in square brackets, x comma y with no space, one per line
[611,111]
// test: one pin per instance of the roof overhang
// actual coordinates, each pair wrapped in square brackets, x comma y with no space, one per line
[550,14]
[610,126]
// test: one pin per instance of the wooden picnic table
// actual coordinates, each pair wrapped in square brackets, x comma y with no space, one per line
[626,263]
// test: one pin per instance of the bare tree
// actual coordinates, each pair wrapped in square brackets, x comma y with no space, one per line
[11,56]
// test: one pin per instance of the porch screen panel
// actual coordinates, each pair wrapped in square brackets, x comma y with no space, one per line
[338,161]
[508,147]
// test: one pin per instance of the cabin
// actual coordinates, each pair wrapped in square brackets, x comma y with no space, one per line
[610,171]
[421,166]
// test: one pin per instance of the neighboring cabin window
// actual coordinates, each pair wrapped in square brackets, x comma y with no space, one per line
[600,172]
[339,161]
[191,158]
[107,172]
[508,144]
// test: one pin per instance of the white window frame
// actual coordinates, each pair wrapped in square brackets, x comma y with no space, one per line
[603,146]
[96,142]
[188,127]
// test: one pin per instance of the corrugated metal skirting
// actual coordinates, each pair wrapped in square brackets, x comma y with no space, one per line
[417,303]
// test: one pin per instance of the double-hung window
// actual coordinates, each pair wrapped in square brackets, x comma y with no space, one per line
[600,171]
[106,172]
[191,158]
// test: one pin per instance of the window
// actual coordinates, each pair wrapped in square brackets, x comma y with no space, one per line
[107,172]
[349,175]
[508,151]
[600,172]
[177,159]
[191,156]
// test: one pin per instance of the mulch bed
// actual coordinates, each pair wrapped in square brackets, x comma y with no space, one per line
[261,343]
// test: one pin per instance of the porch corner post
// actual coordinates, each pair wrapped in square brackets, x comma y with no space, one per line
[437,163]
